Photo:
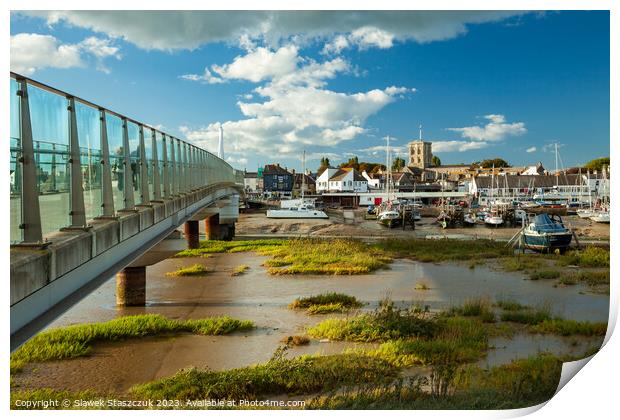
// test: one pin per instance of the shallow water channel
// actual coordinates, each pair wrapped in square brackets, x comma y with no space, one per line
[262,298]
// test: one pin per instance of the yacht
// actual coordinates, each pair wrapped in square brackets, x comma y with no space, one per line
[546,233]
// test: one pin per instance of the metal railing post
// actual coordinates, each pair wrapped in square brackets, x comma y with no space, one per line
[187,164]
[106,175]
[156,178]
[166,166]
[78,214]
[144,174]
[180,167]
[31,217]
[127,172]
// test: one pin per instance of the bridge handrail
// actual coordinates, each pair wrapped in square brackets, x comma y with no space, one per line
[107,155]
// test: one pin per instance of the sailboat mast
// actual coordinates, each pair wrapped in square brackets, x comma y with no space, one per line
[303,176]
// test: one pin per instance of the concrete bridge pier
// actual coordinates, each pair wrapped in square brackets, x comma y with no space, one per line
[131,286]
[192,234]
[217,231]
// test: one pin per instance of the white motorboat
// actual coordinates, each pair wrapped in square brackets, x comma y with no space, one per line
[469,219]
[389,218]
[301,212]
[493,220]
[585,213]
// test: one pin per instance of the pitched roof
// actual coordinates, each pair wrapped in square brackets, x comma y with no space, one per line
[527,181]
[342,172]
[275,169]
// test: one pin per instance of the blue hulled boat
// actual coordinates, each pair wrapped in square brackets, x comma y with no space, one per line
[547,233]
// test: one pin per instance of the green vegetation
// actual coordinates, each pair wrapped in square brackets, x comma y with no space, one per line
[528,316]
[192,270]
[458,340]
[545,275]
[510,305]
[305,374]
[522,383]
[296,340]
[522,262]
[597,164]
[240,269]
[569,327]
[212,247]
[385,323]
[474,307]
[590,257]
[591,278]
[326,303]
[76,340]
[438,250]
[421,286]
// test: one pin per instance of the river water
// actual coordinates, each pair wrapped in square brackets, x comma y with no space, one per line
[262,298]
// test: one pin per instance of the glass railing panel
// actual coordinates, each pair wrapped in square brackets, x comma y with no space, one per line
[159,141]
[15,169]
[114,127]
[89,138]
[50,134]
[150,164]
[133,134]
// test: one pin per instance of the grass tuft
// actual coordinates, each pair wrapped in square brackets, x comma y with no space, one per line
[76,340]
[326,303]
[443,249]
[192,270]
[296,340]
[240,269]
[510,305]
[569,327]
[545,275]
[590,257]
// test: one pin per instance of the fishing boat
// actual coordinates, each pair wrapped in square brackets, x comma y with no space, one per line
[601,216]
[469,219]
[493,219]
[546,233]
[585,213]
[389,218]
[303,210]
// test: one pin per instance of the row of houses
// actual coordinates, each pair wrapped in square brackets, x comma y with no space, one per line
[274,180]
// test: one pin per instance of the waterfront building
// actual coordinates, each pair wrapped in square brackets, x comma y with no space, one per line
[277,181]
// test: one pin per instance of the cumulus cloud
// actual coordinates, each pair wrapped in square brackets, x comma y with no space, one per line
[170,30]
[260,64]
[205,77]
[496,129]
[458,146]
[531,149]
[31,52]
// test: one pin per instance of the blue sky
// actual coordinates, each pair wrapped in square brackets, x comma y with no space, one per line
[483,84]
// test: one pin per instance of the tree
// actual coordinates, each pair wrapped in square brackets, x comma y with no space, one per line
[398,163]
[351,163]
[324,165]
[597,164]
[497,162]
[436,161]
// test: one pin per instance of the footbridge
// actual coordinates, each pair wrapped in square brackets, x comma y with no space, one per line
[95,193]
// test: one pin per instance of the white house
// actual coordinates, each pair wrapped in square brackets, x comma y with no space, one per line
[347,180]
[374,181]
[322,181]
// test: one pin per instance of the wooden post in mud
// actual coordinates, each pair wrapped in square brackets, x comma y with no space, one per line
[192,234]
[131,286]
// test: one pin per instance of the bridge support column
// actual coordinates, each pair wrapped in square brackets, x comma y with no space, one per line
[131,286]
[219,232]
[192,234]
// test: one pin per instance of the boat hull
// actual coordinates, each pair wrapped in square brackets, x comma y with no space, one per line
[291,214]
[547,241]
[390,223]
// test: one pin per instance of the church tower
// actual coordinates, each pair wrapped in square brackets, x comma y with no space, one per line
[420,153]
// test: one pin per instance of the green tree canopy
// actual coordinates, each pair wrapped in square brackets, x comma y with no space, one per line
[436,161]
[597,164]
[324,165]
[489,163]
[398,163]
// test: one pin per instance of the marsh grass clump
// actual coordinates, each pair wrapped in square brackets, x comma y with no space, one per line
[240,269]
[592,256]
[545,275]
[522,383]
[385,323]
[522,262]
[76,340]
[212,247]
[528,316]
[510,305]
[296,340]
[326,303]
[301,375]
[318,256]
[475,307]
[438,250]
[567,327]
[421,286]
[591,278]
[457,340]
[192,270]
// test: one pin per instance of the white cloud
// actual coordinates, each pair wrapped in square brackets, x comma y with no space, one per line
[531,149]
[205,77]
[496,129]
[260,64]
[169,30]
[458,146]
[31,52]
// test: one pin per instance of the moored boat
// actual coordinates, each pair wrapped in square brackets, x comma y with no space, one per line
[600,216]
[389,218]
[546,233]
